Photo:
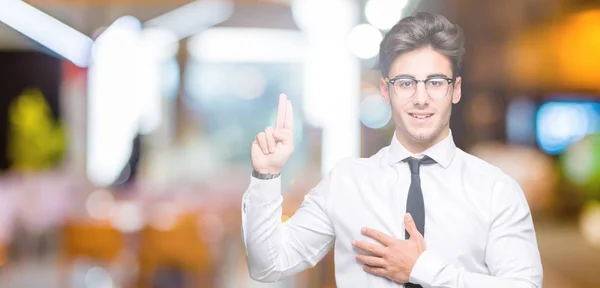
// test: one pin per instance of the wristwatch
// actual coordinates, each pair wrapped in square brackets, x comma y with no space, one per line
[262,176]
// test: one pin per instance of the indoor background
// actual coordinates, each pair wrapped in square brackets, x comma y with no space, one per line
[125,126]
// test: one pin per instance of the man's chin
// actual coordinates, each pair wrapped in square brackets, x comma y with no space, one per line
[421,136]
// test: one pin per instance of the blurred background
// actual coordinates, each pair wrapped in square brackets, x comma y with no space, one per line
[125,126]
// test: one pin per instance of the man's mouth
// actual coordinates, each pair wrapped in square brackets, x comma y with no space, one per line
[420,115]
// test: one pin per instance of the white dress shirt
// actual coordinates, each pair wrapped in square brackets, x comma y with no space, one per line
[478,227]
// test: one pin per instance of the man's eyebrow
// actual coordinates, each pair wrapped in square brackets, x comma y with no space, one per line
[405,76]
[437,75]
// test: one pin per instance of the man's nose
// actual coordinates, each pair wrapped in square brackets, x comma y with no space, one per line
[421,96]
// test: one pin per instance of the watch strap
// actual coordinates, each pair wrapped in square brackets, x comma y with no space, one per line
[263,176]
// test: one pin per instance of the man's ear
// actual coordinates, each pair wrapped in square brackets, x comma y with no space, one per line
[457,90]
[385,95]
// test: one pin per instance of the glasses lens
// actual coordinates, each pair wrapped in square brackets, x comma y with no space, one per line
[437,88]
[405,88]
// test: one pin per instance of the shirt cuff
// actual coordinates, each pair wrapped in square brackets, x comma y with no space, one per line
[426,269]
[262,190]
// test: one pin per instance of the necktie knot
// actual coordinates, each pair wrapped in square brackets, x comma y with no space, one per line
[414,163]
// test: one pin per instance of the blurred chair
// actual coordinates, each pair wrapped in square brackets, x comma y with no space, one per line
[96,241]
[178,253]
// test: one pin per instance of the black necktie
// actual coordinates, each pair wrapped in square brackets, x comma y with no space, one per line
[414,202]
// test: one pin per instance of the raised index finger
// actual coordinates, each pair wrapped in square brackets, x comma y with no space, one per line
[281,111]
[289,116]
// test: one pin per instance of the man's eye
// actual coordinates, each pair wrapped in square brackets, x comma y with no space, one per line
[405,83]
[435,82]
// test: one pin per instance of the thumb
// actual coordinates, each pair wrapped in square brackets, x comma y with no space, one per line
[411,227]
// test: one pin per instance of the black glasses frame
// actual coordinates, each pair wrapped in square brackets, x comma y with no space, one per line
[393,80]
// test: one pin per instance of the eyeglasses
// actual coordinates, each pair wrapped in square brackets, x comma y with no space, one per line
[436,87]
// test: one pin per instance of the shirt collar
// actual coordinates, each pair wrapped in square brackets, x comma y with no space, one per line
[442,152]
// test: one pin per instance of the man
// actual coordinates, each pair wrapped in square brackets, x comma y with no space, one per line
[420,211]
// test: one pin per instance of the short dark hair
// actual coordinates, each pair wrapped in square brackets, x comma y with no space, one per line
[422,30]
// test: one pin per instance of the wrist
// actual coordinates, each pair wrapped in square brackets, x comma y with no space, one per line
[427,269]
[265,174]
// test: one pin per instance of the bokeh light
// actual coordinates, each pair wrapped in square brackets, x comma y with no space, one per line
[319,15]
[590,223]
[100,204]
[520,121]
[250,83]
[374,113]
[581,165]
[384,14]
[164,215]
[561,123]
[127,217]
[97,277]
[364,41]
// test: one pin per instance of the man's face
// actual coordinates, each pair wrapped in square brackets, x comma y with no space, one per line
[421,120]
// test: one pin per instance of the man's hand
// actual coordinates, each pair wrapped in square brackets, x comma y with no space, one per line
[396,259]
[272,148]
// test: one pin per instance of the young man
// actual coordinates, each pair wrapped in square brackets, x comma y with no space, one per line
[420,211]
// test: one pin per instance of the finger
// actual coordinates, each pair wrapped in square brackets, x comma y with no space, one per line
[375,270]
[373,249]
[283,135]
[270,140]
[262,142]
[255,143]
[411,227]
[379,236]
[281,111]
[371,261]
[289,116]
